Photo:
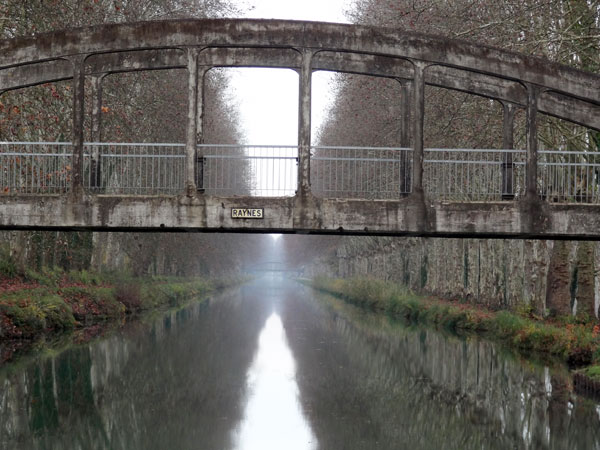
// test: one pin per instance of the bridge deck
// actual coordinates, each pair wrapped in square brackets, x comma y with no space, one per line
[408,217]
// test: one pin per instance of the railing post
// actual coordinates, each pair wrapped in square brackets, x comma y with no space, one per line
[532,142]
[96,132]
[405,175]
[508,189]
[200,128]
[78,115]
[192,122]
[304,124]
[418,120]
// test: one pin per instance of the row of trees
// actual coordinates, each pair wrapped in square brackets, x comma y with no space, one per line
[366,112]
[137,107]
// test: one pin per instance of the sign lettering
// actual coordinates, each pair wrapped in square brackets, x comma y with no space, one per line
[247,213]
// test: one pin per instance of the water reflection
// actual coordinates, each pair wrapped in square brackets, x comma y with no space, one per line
[313,374]
[273,418]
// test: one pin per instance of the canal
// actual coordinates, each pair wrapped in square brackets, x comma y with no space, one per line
[275,365]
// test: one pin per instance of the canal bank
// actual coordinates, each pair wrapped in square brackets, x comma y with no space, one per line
[574,341]
[51,302]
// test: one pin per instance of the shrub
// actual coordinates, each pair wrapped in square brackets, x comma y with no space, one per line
[58,314]
[46,277]
[85,277]
[8,268]
[129,294]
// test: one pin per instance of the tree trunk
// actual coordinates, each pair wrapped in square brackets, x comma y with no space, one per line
[585,280]
[558,296]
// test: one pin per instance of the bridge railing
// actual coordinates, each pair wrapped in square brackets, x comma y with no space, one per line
[473,174]
[253,170]
[336,172]
[134,169]
[565,176]
[35,167]
[361,172]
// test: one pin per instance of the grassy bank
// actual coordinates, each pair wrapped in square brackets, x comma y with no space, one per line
[576,343]
[53,301]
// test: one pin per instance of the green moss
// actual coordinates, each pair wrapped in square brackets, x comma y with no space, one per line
[592,372]
[35,315]
[57,303]
[58,314]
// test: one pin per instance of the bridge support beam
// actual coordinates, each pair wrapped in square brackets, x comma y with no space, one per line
[304,124]
[192,122]
[405,94]
[509,110]
[96,132]
[78,115]
[532,143]
[200,99]
[418,121]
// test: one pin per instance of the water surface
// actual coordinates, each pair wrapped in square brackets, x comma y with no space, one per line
[275,365]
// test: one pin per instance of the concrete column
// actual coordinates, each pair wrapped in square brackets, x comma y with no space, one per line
[418,120]
[406,88]
[531,166]
[304,124]
[405,124]
[78,114]
[200,127]
[508,190]
[192,122]
[96,131]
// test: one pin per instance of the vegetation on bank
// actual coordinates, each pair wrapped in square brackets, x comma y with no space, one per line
[52,300]
[577,341]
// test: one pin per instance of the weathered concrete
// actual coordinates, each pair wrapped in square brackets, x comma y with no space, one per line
[567,93]
[192,121]
[302,215]
[198,45]
[508,141]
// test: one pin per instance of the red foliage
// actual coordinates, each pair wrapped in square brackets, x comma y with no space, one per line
[16,284]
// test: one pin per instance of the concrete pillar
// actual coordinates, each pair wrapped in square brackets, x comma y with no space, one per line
[96,132]
[78,114]
[304,124]
[531,165]
[200,127]
[192,122]
[508,190]
[405,123]
[418,120]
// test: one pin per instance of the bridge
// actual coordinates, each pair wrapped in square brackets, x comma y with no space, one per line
[405,190]
[270,267]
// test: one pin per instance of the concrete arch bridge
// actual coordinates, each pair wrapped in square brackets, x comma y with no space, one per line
[405,190]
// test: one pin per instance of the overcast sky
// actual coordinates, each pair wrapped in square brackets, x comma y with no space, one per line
[268,98]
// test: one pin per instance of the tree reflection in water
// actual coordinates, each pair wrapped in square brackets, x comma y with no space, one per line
[271,362]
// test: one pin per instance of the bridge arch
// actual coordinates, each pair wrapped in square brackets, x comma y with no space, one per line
[416,60]
[476,69]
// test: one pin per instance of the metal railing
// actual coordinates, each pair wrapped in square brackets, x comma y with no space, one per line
[252,170]
[35,167]
[567,177]
[361,172]
[134,169]
[336,172]
[473,175]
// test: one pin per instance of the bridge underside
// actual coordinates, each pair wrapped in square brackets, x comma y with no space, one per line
[308,215]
